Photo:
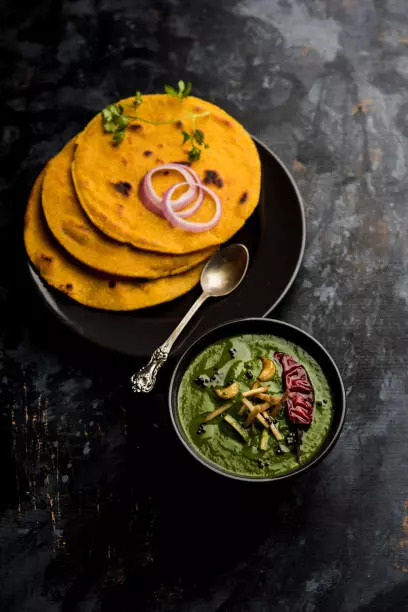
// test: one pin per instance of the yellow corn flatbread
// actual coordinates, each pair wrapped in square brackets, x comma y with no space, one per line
[73,229]
[88,286]
[99,167]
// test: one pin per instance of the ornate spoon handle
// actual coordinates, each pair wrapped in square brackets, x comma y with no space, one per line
[144,379]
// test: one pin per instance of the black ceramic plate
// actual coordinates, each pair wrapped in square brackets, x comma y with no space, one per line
[275,237]
[282,330]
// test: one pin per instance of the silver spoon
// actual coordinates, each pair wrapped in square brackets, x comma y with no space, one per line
[222,273]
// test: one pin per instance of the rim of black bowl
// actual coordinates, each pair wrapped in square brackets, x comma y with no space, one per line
[341,403]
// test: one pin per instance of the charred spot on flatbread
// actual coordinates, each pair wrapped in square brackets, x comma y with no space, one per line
[123,187]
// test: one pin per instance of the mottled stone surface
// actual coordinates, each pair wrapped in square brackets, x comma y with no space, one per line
[101,508]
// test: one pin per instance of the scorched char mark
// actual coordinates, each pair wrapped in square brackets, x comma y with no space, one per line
[300,399]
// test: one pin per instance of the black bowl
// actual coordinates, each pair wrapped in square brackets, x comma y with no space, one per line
[282,330]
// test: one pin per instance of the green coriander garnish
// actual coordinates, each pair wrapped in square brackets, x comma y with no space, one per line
[198,136]
[137,99]
[182,92]
[197,139]
[115,120]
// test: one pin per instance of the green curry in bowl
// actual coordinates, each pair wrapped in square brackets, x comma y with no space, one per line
[255,405]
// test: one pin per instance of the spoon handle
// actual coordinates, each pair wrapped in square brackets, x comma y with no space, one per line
[144,379]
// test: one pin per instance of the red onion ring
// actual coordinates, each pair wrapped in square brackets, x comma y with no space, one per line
[155,200]
[177,221]
[190,211]
[147,200]
[178,204]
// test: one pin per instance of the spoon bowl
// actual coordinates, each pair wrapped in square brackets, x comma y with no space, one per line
[225,270]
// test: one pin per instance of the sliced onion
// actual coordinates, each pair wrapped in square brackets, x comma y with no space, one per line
[177,221]
[189,211]
[172,209]
[178,204]
[147,200]
[153,201]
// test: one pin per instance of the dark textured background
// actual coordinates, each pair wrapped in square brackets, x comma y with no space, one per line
[101,508]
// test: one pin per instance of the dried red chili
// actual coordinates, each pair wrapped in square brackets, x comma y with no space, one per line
[300,400]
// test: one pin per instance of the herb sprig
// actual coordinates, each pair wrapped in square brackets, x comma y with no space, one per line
[182,92]
[197,139]
[115,121]
[137,100]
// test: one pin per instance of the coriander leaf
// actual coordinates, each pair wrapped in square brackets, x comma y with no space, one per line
[198,136]
[106,114]
[118,137]
[186,136]
[115,110]
[170,91]
[109,127]
[206,146]
[181,93]
[122,122]
[194,154]
[137,99]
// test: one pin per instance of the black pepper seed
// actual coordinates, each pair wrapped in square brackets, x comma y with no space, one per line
[325,401]
[278,451]
[243,198]
[112,284]
[147,153]
[260,463]
[214,377]
[219,182]
[318,403]
[232,351]
[249,374]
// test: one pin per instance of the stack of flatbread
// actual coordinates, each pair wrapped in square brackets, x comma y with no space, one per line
[87,231]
